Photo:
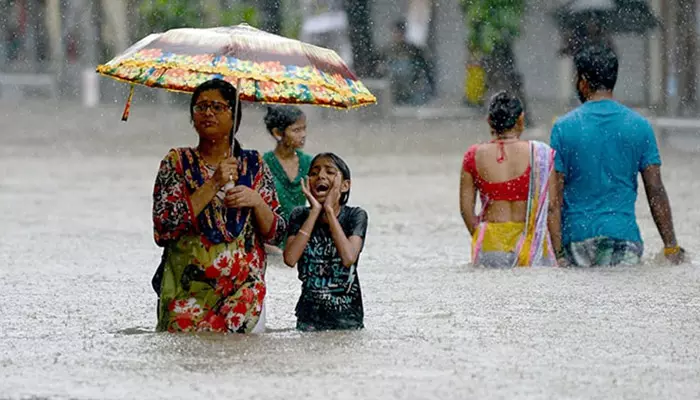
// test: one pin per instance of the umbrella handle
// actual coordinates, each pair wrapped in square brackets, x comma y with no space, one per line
[235,112]
[232,184]
[127,106]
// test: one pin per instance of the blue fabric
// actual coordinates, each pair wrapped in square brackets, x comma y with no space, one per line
[601,147]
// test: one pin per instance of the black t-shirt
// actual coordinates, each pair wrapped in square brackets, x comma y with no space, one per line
[330,293]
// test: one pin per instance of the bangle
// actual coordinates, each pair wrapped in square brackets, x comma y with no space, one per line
[303,232]
[560,254]
[672,250]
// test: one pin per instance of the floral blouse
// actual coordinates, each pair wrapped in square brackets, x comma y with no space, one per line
[181,173]
[214,262]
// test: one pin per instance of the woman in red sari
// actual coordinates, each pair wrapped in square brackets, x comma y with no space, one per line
[213,232]
[513,178]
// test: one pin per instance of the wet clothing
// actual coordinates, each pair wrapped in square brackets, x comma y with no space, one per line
[522,244]
[289,191]
[602,251]
[601,148]
[515,189]
[331,297]
[213,266]
[499,241]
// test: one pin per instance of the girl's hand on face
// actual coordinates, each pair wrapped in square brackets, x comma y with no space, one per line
[333,196]
[315,205]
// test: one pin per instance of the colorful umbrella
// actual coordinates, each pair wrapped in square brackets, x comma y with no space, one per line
[264,67]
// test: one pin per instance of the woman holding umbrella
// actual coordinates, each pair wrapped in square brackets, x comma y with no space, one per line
[213,233]
[212,273]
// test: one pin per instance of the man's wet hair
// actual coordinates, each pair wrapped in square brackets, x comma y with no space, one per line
[598,65]
[342,167]
[504,111]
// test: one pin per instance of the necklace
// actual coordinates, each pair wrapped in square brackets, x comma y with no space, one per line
[206,164]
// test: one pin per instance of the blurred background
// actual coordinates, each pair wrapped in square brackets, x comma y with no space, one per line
[452,53]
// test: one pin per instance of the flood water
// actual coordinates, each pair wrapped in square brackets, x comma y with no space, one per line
[77,311]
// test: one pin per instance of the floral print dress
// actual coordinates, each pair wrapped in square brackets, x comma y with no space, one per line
[214,263]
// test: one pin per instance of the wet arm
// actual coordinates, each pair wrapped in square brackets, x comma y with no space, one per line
[296,242]
[348,248]
[556,190]
[659,204]
[467,201]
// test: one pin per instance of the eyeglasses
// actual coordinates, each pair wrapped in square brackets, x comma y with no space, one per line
[216,107]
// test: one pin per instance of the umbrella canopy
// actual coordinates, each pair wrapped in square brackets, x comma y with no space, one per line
[613,16]
[263,67]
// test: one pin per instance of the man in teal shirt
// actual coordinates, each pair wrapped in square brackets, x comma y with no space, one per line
[601,146]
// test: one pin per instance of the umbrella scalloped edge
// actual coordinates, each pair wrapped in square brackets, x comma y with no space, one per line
[256,91]
[174,76]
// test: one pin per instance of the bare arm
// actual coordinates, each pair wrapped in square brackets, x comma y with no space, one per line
[556,195]
[467,201]
[659,204]
[348,248]
[297,243]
